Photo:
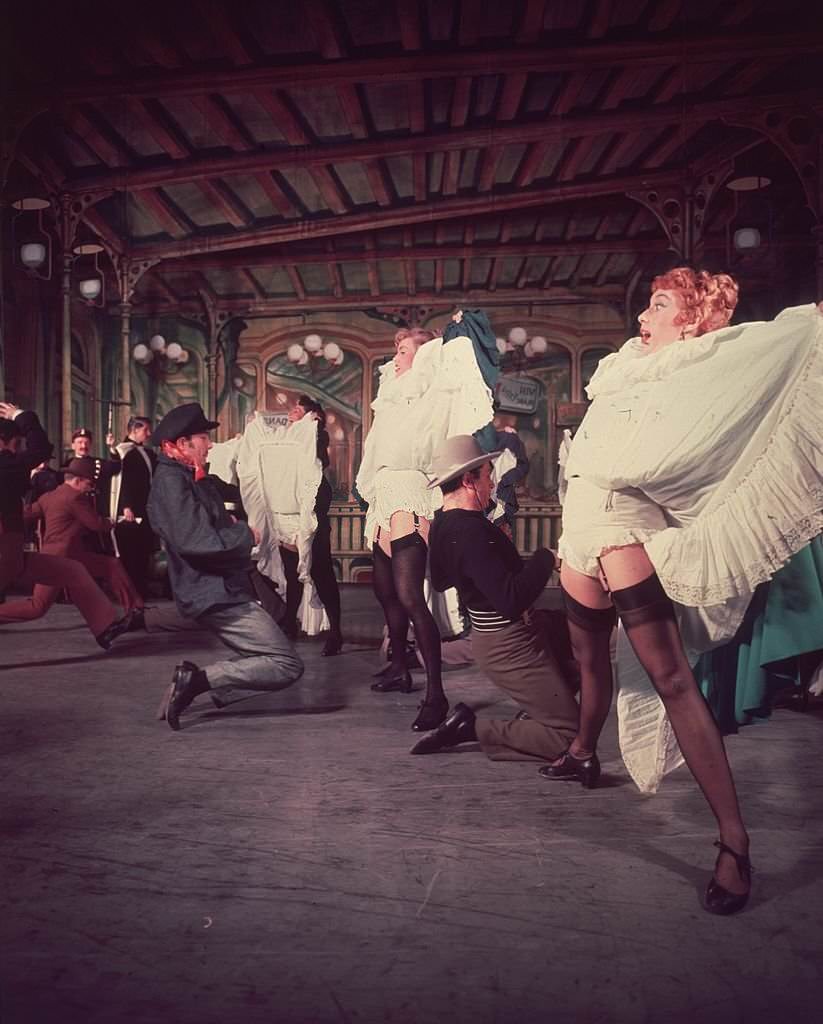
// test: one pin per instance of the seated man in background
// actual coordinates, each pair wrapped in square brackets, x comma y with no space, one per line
[497,589]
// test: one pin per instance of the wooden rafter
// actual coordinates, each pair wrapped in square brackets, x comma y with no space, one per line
[408,14]
[328,189]
[617,153]
[320,19]
[217,18]
[282,116]
[257,290]
[377,182]
[665,12]
[227,202]
[163,285]
[460,102]
[511,95]
[371,267]
[470,248]
[571,161]
[471,12]
[275,195]
[581,126]
[170,141]
[221,122]
[442,209]
[414,67]
[451,173]
[102,229]
[296,282]
[170,219]
[353,111]
[531,23]
[102,145]
[488,168]
[530,164]
[333,267]
[600,19]
[420,176]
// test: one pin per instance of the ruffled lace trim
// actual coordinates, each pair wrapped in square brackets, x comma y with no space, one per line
[773,512]
[586,561]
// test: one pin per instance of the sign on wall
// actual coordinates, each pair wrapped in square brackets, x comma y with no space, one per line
[518,394]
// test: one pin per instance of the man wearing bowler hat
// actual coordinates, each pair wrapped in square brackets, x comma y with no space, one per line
[209,558]
[497,589]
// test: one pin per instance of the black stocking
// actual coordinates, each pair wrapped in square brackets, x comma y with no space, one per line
[648,618]
[408,563]
[396,617]
[294,592]
[322,574]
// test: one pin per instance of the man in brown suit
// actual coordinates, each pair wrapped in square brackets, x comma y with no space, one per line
[24,567]
[69,517]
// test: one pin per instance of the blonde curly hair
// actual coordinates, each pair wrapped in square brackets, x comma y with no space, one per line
[708,300]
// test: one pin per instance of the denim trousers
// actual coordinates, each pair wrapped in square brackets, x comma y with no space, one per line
[264,659]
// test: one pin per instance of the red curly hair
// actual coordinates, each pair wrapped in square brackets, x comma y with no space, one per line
[708,300]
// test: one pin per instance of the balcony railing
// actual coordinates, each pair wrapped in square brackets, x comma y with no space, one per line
[537,525]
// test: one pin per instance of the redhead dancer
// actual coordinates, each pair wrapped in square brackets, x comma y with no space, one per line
[695,474]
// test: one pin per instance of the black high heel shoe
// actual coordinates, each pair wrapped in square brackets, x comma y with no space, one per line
[719,900]
[431,715]
[586,771]
[398,680]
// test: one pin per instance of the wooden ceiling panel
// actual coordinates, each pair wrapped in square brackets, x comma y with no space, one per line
[305,189]
[570,14]
[358,185]
[196,204]
[257,121]
[355,277]
[315,278]
[322,111]
[401,172]
[274,280]
[371,23]
[392,277]
[279,29]
[387,106]
[484,99]
[469,160]
[440,18]
[508,163]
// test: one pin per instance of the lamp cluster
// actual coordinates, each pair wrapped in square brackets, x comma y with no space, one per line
[313,347]
[173,352]
[520,343]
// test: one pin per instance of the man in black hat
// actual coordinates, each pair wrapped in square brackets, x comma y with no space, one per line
[209,557]
[25,567]
[104,470]
[129,496]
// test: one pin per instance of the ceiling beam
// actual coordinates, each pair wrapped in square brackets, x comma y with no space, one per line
[579,126]
[531,24]
[164,213]
[460,102]
[328,189]
[170,141]
[257,290]
[282,117]
[226,202]
[413,67]
[105,149]
[377,182]
[321,23]
[442,209]
[408,14]
[530,164]
[222,123]
[514,86]
[216,16]
[275,195]
[353,110]
[296,282]
[505,296]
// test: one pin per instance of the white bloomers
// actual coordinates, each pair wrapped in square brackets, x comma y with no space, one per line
[595,519]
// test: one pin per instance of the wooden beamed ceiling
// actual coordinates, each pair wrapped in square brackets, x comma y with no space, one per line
[371,151]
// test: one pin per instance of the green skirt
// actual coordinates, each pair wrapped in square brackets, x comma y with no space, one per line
[784,620]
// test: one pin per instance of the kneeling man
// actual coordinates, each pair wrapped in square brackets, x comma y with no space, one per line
[209,558]
[497,589]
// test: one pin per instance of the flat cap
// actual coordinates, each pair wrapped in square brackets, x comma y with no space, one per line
[182,421]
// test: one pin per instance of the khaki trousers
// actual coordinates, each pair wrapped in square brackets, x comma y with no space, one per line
[518,659]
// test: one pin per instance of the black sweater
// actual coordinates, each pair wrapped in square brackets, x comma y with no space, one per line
[468,553]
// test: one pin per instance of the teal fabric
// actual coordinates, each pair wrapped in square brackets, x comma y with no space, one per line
[784,620]
[475,325]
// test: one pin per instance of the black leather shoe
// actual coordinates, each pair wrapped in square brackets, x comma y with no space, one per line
[332,646]
[458,728]
[719,900]
[400,681]
[112,632]
[586,771]
[188,681]
[431,715]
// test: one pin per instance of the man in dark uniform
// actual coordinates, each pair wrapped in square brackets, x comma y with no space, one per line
[209,557]
[105,469]
[25,567]
[129,497]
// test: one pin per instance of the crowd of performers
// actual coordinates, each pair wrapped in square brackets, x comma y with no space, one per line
[692,514]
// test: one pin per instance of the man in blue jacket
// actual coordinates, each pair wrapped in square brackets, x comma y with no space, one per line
[209,558]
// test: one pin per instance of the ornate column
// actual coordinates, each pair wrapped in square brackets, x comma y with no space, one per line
[65,349]
[125,368]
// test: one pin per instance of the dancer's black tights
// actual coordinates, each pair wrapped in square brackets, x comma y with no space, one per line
[398,586]
[322,574]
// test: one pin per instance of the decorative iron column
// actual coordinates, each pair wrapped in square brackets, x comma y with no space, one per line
[65,325]
[124,402]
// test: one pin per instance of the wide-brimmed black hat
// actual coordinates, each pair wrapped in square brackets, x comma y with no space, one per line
[85,467]
[183,421]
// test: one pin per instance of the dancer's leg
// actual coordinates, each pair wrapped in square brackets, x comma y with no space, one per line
[294,592]
[648,618]
[395,614]
[591,618]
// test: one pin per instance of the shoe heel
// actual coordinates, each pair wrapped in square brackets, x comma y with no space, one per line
[589,774]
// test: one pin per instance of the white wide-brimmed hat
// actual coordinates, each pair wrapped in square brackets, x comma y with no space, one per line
[456,456]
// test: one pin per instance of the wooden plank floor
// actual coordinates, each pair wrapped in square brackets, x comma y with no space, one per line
[286,860]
